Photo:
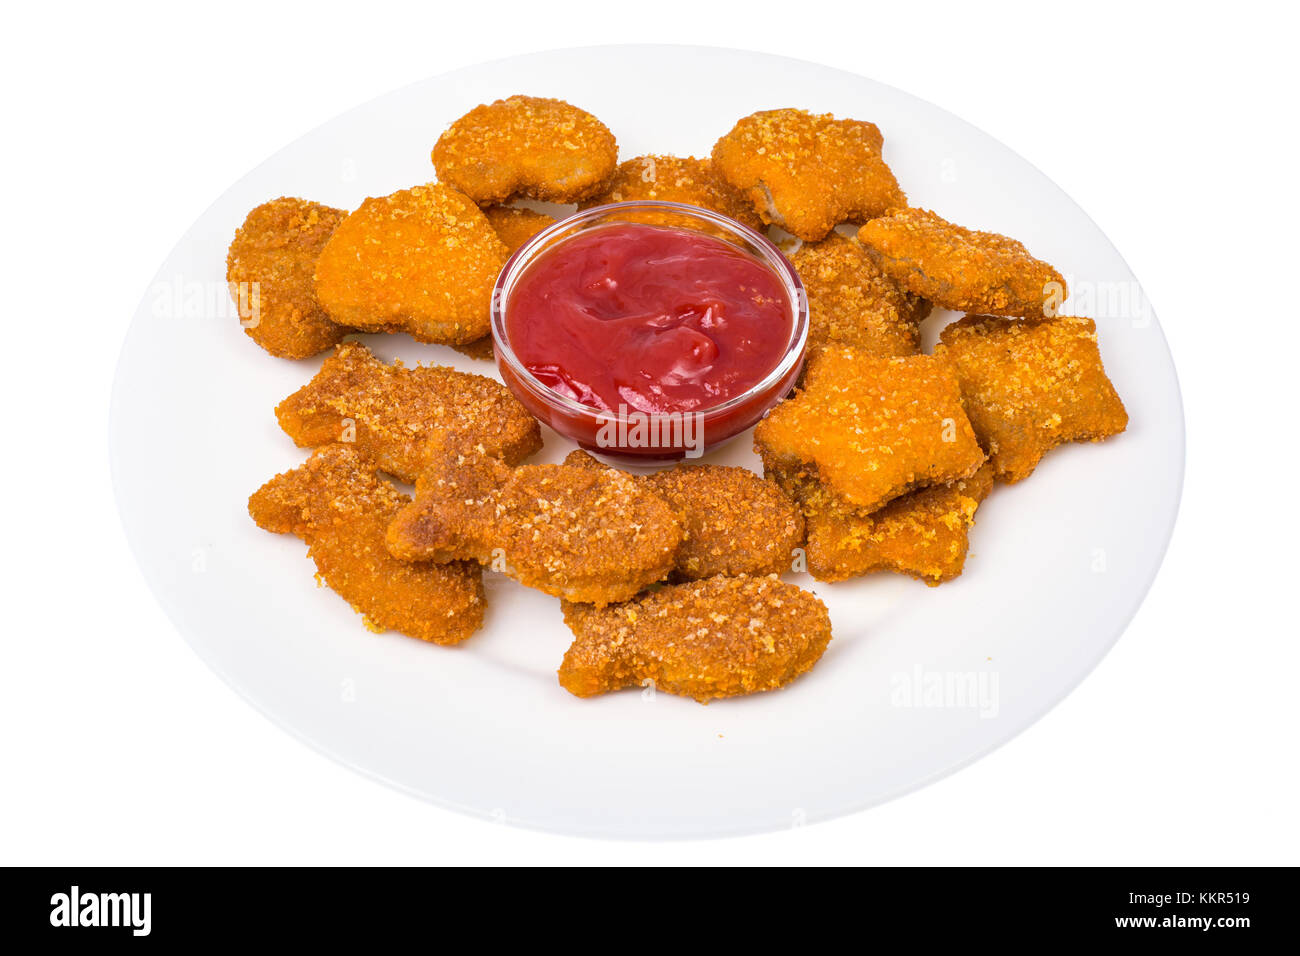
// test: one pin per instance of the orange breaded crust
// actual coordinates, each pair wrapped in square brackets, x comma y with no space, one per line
[515,225]
[481,349]
[420,260]
[1031,385]
[852,302]
[960,269]
[720,637]
[733,521]
[807,173]
[923,533]
[576,533]
[390,412]
[271,270]
[688,180]
[526,146]
[337,504]
[870,428]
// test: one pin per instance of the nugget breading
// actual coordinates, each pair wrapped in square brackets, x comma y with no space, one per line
[271,270]
[688,180]
[720,637]
[807,173]
[871,428]
[1031,385]
[420,260]
[577,533]
[961,269]
[733,521]
[526,146]
[337,504]
[515,225]
[922,533]
[852,302]
[390,412]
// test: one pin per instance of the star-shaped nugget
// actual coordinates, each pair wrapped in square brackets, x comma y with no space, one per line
[390,412]
[720,637]
[578,533]
[852,302]
[420,260]
[337,504]
[1031,385]
[961,269]
[806,172]
[871,429]
[923,533]
[526,146]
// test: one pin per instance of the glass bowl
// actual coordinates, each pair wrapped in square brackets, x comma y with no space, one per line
[641,438]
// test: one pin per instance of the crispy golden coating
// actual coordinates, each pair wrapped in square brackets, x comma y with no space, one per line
[733,521]
[420,260]
[337,504]
[481,349]
[515,225]
[390,412]
[271,269]
[1031,385]
[961,269]
[720,637]
[526,146]
[851,302]
[688,180]
[578,533]
[871,428]
[807,173]
[922,533]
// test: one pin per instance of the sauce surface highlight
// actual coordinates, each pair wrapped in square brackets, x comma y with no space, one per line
[652,318]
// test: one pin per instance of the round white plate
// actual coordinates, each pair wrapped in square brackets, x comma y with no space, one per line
[917,681]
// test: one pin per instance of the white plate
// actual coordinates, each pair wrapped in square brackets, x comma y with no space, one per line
[1059,563]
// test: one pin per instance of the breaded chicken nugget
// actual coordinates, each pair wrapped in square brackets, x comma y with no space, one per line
[871,429]
[271,270]
[515,225]
[341,509]
[960,269]
[688,180]
[1031,385]
[420,260]
[807,173]
[851,302]
[733,521]
[720,637]
[390,412]
[526,146]
[577,533]
[923,533]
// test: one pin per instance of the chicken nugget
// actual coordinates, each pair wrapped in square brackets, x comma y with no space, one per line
[1031,385]
[515,225]
[337,504]
[578,533]
[871,429]
[390,412]
[852,302]
[688,180]
[922,533]
[961,269]
[733,521]
[526,146]
[720,637]
[271,270]
[807,173]
[420,260]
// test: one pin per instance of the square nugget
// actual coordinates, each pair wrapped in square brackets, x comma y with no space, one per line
[871,429]
[1031,385]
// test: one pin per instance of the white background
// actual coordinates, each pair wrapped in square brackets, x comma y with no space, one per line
[1172,127]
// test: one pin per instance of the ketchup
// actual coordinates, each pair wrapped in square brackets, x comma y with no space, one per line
[648,318]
